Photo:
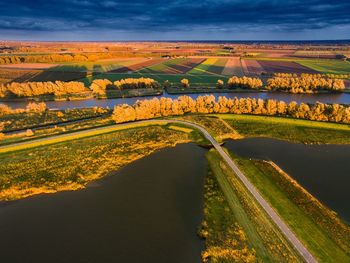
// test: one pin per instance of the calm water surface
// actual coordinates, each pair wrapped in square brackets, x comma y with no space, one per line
[341,98]
[323,170]
[149,211]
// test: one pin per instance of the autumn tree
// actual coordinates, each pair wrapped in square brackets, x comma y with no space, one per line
[244,82]
[185,83]
[99,86]
[220,84]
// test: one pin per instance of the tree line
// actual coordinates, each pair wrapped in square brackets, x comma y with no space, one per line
[100,86]
[304,83]
[318,75]
[29,89]
[154,108]
[52,58]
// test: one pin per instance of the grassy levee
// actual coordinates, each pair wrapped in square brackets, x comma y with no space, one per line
[65,164]
[225,239]
[262,234]
[316,226]
[68,137]
[294,130]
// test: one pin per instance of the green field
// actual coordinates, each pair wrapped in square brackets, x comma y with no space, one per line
[328,66]
[289,129]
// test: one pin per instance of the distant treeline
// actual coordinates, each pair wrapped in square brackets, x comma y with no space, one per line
[69,57]
[29,89]
[154,108]
[53,58]
[330,76]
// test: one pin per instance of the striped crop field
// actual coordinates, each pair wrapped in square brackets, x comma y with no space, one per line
[211,66]
[233,67]
[138,66]
[173,66]
[251,67]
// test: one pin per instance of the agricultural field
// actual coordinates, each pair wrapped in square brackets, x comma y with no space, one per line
[28,66]
[233,67]
[327,66]
[211,66]
[284,67]
[17,75]
[63,72]
[137,66]
[251,67]
[173,66]
[315,54]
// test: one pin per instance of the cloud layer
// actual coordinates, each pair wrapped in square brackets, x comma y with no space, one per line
[152,19]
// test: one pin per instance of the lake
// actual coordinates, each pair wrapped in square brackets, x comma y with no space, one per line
[341,98]
[148,211]
[323,170]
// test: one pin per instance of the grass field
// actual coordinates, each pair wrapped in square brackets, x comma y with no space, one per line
[323,234]
[289,129]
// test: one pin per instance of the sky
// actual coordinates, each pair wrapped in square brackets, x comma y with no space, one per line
[128,20]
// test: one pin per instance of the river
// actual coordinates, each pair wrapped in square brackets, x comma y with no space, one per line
[321,169]
[148,211]
[341,98]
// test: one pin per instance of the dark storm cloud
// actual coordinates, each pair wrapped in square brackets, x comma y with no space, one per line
[166,16]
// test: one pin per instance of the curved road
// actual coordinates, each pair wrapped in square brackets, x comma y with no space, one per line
[265,205]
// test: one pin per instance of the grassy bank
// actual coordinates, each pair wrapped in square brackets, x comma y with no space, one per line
[69,165]
[294,130]
[262,235]
[28,120]
[61,128]
[225,239]
[316,226]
